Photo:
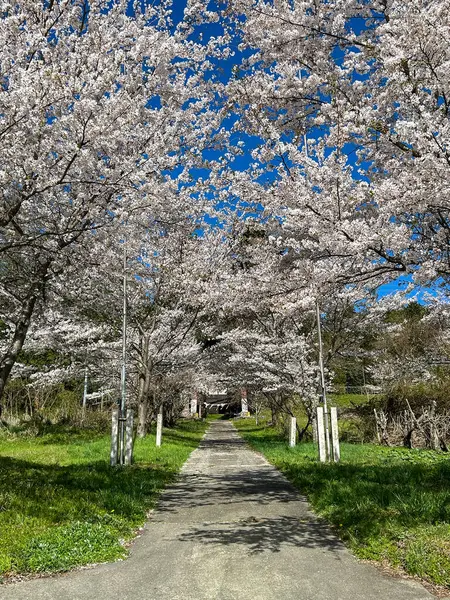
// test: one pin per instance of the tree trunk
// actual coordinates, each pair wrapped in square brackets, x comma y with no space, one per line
[407,439]
[143,389]
[274,415]
[10,356]
[312,414]
[142,419]
[434,437]
[409,428]
[143,403]
[302,432]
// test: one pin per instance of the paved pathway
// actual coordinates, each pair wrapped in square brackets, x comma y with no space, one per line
[230,528]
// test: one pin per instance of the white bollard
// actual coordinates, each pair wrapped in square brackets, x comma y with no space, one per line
[194,398]
[321,434]
[244,402]
[129,438]
[159,421]
[293,432]
[114,436]
[335,434]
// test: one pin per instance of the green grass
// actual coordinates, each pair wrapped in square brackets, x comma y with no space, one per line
[348,400]
[62,505]
[388,504]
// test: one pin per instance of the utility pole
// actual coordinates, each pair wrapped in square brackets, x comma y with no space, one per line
[122,421]
[322,381]
[85,388]
[123,388]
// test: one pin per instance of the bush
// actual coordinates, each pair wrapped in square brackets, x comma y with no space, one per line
[419,395]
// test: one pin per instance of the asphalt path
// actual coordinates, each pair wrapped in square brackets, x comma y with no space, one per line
[230,528]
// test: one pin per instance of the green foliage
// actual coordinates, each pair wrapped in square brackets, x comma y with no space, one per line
[42,359]
[355,412]
[57,402]
[62,505]
[40,409]
[348,400]
[386,503]
[413,313]
[419,395]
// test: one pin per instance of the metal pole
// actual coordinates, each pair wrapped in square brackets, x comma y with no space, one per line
[123,387]
[85,388]
[322,382]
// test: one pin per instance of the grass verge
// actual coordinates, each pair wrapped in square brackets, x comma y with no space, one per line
[389,504]
[62,505]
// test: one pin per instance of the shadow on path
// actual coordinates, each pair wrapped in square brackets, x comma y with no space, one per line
[262,535]
[263,488]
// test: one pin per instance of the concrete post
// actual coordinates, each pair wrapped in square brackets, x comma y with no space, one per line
[314,425]
[335,434]
[293,432]
[321,434]
[244,402]
[121,452]
[114,436]
[159,421]
[129,438]
[184,398]
[194,402]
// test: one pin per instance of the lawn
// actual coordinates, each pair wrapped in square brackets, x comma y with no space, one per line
[387,504]
[348,400]
[62,505]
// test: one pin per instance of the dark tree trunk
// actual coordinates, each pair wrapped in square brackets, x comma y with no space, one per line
[302,431]
[407,439]
[143,389]
[9,358]
[143,403]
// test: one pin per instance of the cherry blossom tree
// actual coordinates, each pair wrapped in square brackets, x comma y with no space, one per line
[117,131]
[258,331]
[349,102]
[98,104]
[171,297]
